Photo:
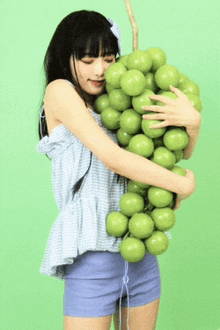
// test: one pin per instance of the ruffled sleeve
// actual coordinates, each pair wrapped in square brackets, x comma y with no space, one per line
[57,142]
[70,161]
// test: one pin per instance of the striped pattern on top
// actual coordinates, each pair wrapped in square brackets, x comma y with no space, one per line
[81,224]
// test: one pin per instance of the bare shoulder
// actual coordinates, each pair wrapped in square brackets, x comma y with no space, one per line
[58,86]
[58,93]
[53,88]
[59,82]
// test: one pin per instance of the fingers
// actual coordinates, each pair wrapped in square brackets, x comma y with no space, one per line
[177,205]
[176,91]
[161,98]
[154,108]
[160,125]
[189,173]
[158,116]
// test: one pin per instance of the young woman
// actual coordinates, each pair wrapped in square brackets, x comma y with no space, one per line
[90,173]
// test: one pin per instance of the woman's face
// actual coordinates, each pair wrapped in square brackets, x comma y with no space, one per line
[91,72]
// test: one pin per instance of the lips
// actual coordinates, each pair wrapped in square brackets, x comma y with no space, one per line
[97,82]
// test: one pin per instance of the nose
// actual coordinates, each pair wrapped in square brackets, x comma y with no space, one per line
[99,67]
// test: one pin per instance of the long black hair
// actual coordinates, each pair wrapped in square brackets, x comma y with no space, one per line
[78,33]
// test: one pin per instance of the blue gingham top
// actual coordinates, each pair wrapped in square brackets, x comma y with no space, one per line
[81,224]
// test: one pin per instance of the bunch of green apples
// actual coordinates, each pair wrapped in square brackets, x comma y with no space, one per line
[146,212]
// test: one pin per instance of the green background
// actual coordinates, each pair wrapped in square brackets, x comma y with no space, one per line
[188,31]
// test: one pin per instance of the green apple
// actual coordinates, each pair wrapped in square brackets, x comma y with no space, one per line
[167,75]
[142,185]
[132,187]
[195,100]
[152,132]
[123,137]
[158,57]
[142,145]
[116,224]
[183,77]
[159,197]
[178,170]
[141,225]
[176,139]
[114,73]
[119,100]
[189,86]
[109,88]
[170,95]
[132,82]
[132,249]
[101,103]
[157,243]
[164,218]
[164,157]
[131,203]
[150,82]
[111,118]
[139,60]
[123,59]
[178,154]
[130,121]
[142,100]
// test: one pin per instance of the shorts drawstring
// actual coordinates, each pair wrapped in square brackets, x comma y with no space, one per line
[125,281]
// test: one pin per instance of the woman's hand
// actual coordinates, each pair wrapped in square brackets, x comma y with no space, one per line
[187,189]
[179,112]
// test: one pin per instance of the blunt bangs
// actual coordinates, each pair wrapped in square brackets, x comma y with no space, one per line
[91,39]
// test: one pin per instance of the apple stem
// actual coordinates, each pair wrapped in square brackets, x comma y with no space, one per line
[133,24]
[126,235]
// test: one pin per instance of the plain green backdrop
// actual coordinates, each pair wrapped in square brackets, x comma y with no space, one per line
[188,31]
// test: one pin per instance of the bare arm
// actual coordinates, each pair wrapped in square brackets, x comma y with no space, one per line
[138,168]
[67,107]
[193,137]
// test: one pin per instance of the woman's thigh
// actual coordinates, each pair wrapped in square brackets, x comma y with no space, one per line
[140,317]
[78,323]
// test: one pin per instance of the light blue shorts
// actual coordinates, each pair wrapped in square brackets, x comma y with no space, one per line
[96,280]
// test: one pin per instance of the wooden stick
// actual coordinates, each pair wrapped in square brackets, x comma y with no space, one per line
[133,24]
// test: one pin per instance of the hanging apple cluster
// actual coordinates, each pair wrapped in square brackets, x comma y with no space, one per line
[146,211]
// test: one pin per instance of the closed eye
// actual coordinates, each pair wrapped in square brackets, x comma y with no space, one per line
[108,60]
[87,62]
